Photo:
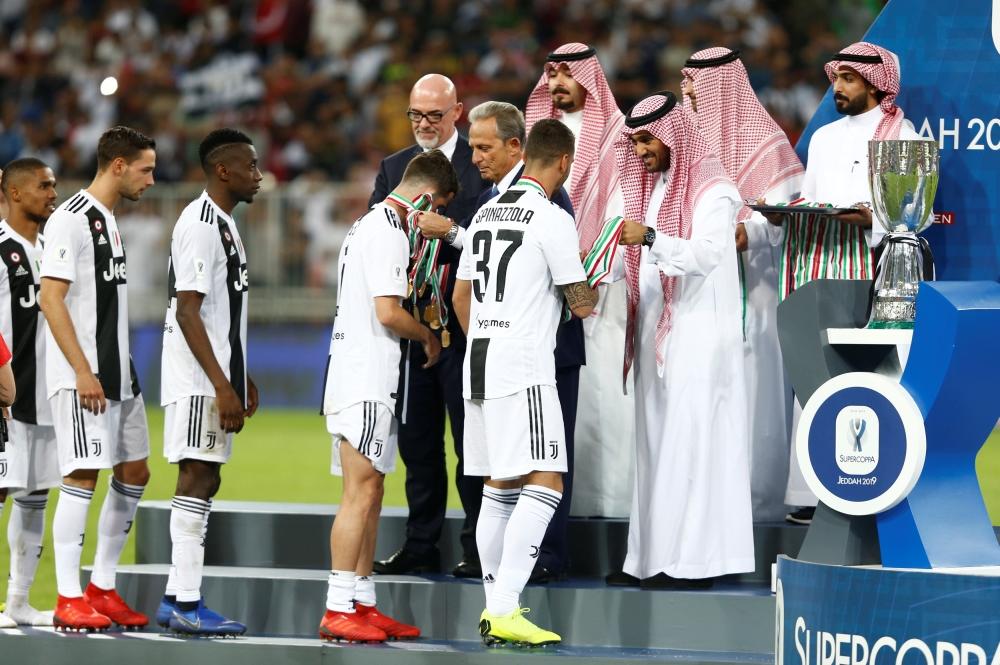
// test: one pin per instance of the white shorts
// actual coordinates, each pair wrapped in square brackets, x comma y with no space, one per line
[29,461]
[508,437]
[370,427]
[192,430]
[86,441]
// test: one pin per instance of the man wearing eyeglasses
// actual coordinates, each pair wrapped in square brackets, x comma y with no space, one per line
[425,395]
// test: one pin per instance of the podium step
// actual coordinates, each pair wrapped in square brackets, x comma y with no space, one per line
[41,645]
[295,535]
[732,617]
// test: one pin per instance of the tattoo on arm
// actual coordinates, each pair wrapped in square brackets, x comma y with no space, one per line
[579,294]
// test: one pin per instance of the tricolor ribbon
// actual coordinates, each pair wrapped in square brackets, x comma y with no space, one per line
[599,260]
[424,254]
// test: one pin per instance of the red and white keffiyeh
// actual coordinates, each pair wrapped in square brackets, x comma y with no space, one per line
[880,67]
[594,172]
[693,169]
[751,146]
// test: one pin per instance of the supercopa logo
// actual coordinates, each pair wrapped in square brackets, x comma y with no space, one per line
[857,440]
[861,443]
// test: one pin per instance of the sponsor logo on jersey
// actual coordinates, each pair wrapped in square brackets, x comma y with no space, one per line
[102,241]
[241,283]
[20,272]
[29,301]
[115,272]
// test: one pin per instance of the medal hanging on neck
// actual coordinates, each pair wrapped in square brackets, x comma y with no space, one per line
[424,269]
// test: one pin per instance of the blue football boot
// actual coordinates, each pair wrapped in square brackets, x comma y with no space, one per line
[164,612]
[202,621]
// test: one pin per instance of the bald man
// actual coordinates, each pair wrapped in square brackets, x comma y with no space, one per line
[425,395]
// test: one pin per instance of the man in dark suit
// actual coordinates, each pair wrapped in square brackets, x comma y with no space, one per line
[425,395]
[497,137]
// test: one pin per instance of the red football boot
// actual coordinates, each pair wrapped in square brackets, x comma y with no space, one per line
[349,626]
[394,629]
[77,614]
[111,605]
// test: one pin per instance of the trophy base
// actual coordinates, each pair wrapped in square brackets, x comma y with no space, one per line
[893,312]
[890,325]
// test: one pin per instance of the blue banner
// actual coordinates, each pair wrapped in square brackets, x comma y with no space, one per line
[949,56]
[837,615]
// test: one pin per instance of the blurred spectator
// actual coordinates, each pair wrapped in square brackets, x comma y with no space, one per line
[322,83]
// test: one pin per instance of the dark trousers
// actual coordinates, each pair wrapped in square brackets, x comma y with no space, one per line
[431,394]
[555,546]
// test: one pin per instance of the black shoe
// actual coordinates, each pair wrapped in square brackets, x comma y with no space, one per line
[664,581]
[405,562]
[803,515]
[543,575]
[620,578]
[469,568]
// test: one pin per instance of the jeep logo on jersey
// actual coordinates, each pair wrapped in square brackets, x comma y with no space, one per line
[242,282]
[29,301]
[115,271]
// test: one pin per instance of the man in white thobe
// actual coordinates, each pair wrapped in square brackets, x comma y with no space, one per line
[866,79]
[574,90]
[757,157]
[690,519]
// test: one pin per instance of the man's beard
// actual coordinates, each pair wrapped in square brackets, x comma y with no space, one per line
[854,106]
[428,144]
[37,218]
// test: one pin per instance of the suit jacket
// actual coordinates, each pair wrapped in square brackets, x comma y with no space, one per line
[570,350]
[461,209]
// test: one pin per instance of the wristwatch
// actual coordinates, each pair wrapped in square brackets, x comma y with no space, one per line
[649,237]
[452,234]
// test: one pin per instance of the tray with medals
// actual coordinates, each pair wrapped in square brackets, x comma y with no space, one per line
[800,206]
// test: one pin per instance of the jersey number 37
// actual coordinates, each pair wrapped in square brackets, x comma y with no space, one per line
[507,241]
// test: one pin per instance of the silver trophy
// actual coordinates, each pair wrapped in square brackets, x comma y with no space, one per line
[903,176]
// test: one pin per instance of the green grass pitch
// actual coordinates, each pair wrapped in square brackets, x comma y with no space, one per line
[284,455]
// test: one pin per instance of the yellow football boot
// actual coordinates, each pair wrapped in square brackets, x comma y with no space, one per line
[514,629]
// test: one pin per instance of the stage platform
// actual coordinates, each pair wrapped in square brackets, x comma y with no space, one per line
[152,648]
[266,564]
[735,616]
[296,535]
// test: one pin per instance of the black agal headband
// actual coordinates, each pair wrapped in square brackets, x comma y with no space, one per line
[638,121]
[866,59]
[705,63]
[571,57]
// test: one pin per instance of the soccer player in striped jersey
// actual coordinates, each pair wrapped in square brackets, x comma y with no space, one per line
[30,465]
[521,261]
[204,384]
[97,409]
[359,396]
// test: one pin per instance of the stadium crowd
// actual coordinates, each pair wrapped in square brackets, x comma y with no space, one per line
[321,84]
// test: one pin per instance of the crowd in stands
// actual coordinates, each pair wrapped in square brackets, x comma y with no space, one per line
[323,84]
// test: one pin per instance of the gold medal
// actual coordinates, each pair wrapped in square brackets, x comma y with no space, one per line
[445,338]
[431,314]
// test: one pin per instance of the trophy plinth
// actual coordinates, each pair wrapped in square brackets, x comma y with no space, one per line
[903,176]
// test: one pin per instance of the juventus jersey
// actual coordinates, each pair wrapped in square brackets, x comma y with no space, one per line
[519,248]
[83,247]
[22,324]
[364,355]
[207,256]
